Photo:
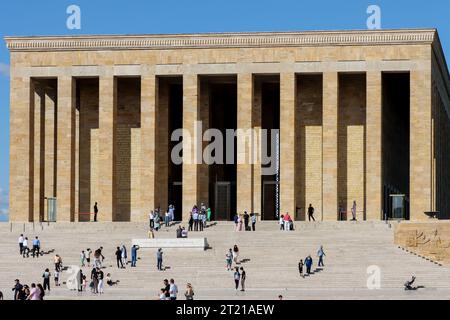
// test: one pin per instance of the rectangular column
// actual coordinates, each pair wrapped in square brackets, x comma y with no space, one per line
[373,146]
[191,114]
[148,143]
[257,170]
[420,184]
[65,154]
[162,143]
[288,144]
[329,146]
[244,166]
[20,180]
[49,162]
[39,110]
[107,124]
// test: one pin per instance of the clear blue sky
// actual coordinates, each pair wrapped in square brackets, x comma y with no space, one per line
[46,17]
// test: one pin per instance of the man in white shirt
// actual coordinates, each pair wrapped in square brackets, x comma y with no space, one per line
[21,238]
[173,291]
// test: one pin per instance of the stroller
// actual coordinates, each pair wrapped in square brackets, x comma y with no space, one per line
[408,284]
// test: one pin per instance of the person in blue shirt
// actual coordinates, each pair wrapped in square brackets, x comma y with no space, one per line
[308,263]
[36,247]
[134,250]
[320,254]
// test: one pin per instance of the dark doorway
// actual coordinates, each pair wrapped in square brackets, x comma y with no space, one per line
[222,116]
[270,120]
[175,116]
[395,139]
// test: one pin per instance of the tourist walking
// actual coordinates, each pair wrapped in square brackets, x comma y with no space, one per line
[157,221]
[236,222]
[240,223]
[208,213]
[171,213]
[36,247]
[151,218]
[119,258]
[281,222]
[243,277]
[320,254]
[246,221]
[18,290]
[191,221]
[94,280]
[56,278]
[253,220]
[134,250]
[100,276]
[308,263]
[195,217]
[159,259]
[83,258]
[21,239]
[300,268]
[88,256]
[46,283]
[124,255]
[166,218]
[354,211]
[58,262]
[41,291]
[235,253]
[25,249]
[189,293]
[229,259]
[237,278]
[95,212]
[173,290]
[311,213]
[35,293]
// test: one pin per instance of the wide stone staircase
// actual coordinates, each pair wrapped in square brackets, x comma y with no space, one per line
[270,259]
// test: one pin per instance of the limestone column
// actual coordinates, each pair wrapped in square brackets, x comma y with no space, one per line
[39,110]
[288,144]
[20,181]
[65,153]
[373,146]
[107,125]
[49,162]
[191,113]
[329,146]
[203,178]
[420,184]
[162,145]
[257,187]
[244,167]
[148,143]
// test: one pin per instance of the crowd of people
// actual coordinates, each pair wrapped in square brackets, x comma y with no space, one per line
[242,222]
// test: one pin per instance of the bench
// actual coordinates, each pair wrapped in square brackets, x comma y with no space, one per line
[177,243]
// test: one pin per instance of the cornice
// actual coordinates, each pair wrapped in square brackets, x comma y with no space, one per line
[221,40]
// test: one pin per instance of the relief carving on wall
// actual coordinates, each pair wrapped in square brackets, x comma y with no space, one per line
[429,243]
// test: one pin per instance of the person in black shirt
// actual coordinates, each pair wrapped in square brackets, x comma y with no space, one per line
[246,219]
[311,213]
[18,292]
[167,288]
[119,258]
[95,212]
[94,278]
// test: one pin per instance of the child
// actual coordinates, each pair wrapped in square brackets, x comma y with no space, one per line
[84,283]
[300,268]
[56,277]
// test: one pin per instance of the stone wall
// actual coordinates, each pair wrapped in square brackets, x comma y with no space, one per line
[431,239]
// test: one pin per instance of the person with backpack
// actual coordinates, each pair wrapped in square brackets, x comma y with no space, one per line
[308,263]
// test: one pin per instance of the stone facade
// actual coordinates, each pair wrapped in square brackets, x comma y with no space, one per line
[89,121]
